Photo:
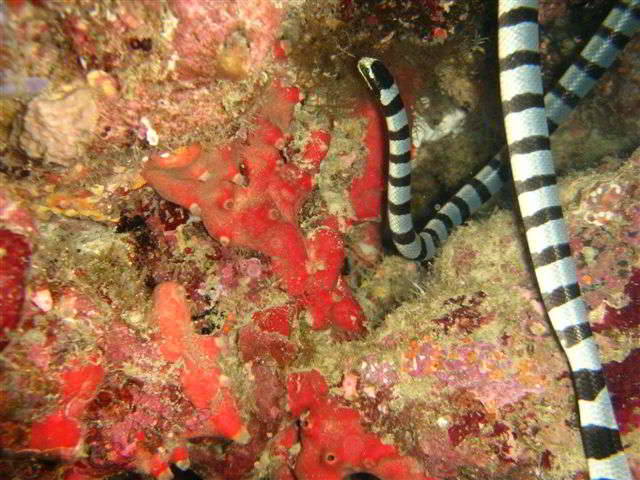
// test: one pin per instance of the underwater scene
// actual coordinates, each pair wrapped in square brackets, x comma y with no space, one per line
[319,239]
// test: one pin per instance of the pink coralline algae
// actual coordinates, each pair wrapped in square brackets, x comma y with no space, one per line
[15,215]
[248,196]
[628,316]
[378,372]
[236,34]
[481,368]
[608,210]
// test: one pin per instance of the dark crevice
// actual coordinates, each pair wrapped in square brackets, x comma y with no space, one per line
[361,476]
[184,474]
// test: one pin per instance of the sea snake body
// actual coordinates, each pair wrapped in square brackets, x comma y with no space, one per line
[596,57]
[527,125]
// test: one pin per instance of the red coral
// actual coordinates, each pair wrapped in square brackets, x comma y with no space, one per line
[367,189]
[201,377]
[269,339]
[304,390]
[14,260]
[247,196]
[55,431]
[60,431]
[254,344]
[275,319]
[115,421]
[334,442]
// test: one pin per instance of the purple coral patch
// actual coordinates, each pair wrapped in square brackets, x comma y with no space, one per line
[381,373]
[623,381]
[481,368]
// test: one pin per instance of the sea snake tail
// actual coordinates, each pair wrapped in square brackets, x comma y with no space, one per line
[595,58]
[546,232]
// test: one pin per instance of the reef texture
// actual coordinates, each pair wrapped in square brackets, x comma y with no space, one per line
[193,281]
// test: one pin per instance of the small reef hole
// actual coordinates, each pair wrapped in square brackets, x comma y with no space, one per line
[361,476]
[184,474]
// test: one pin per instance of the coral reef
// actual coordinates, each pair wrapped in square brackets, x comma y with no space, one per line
[248,196]
[258,327]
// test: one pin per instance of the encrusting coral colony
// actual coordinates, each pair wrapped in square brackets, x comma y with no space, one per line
[195,280]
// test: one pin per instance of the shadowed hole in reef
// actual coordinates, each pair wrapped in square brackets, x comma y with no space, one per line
[361,476]
[184,474]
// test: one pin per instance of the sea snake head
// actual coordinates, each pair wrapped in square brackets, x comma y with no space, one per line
[375,74]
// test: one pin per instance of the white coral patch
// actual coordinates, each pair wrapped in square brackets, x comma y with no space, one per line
[451,123]
[151,135]
[42,299]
